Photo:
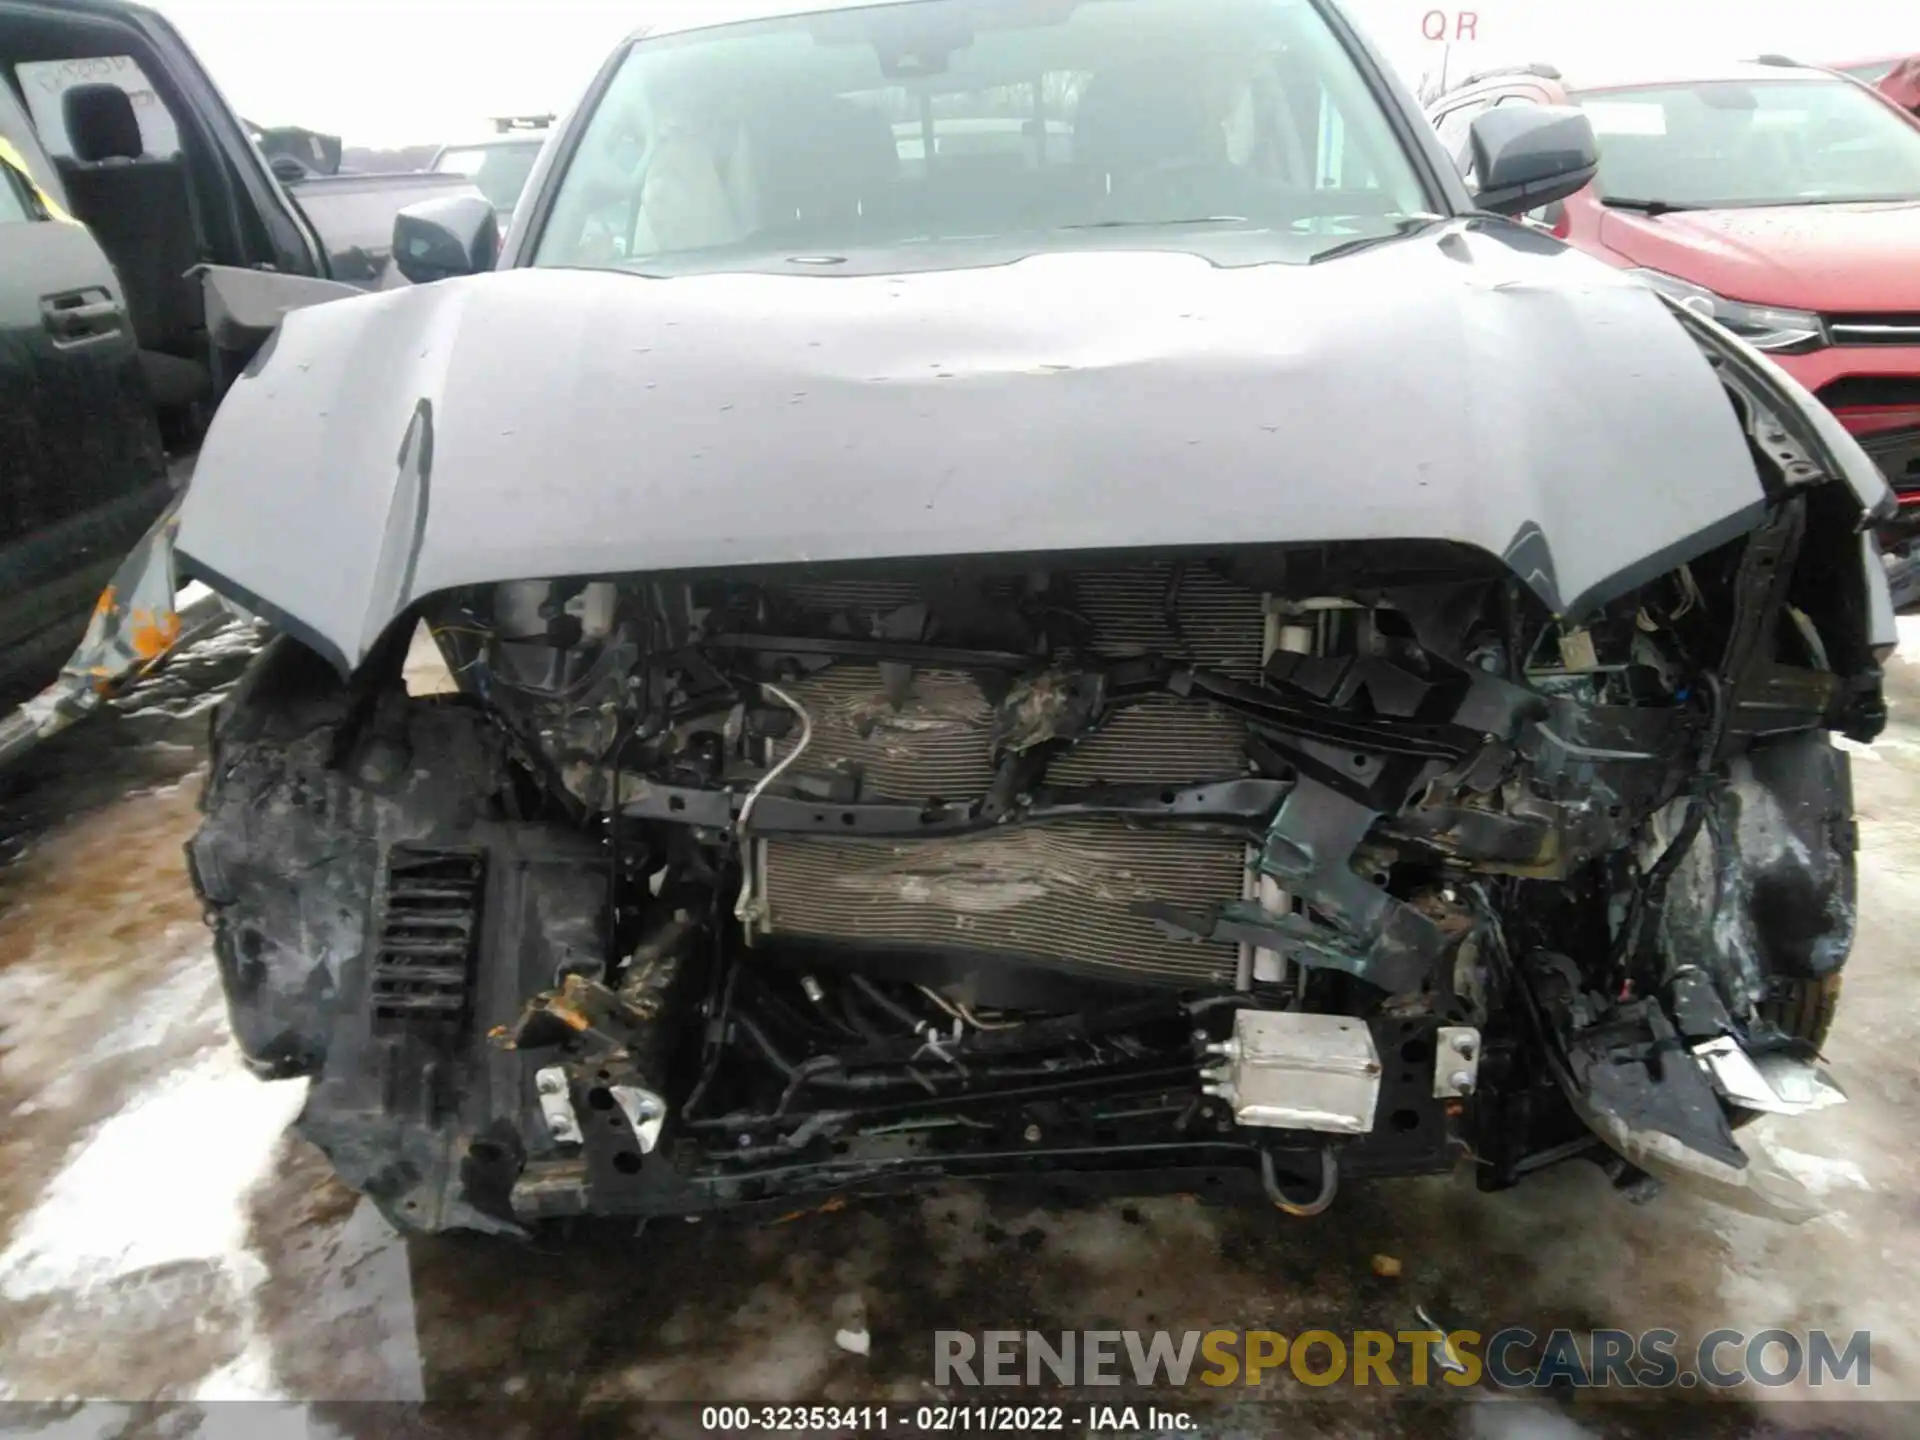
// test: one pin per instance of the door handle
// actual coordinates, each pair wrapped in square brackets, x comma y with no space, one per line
[81,314]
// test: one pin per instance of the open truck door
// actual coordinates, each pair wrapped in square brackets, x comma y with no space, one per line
[82,471]
[130,187]
[138,618]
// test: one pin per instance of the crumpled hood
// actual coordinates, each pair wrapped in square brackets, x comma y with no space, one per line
[1482,385]
[1833,259]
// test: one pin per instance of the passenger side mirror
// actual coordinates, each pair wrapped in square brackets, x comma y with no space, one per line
[1531,155]
[439,239]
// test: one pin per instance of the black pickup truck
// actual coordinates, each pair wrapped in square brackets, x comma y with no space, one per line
[125,178]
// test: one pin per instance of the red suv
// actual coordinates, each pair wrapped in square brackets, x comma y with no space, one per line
[1897,77]
[1780,199]
[1901,84]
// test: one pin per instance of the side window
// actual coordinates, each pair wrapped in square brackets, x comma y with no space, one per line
[597,216]
[19,199]
[14,206]
[46,82]
[20,144]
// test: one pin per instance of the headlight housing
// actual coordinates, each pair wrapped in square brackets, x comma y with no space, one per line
[1765,327]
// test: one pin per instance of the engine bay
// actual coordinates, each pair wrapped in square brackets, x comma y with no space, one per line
[1266,867]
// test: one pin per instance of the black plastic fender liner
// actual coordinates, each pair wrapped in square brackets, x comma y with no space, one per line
[280,945]
[1805,912]
[1766,891]
[305,793]
[308,805]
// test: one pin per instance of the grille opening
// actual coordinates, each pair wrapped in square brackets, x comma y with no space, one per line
[1856,390]
[422,981]
[1874,329]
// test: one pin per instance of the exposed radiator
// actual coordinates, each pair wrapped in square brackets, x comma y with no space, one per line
[1186,612]
[937,742]
[1044,892]
[1159,741]
[1060,892]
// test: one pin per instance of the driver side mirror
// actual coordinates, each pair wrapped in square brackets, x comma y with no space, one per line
[1531,155]
[439,239]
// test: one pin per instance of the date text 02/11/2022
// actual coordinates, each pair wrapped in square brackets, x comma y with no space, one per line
[942,1419]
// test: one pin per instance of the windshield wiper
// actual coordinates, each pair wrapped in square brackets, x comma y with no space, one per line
[1136,224]
[1649,207]
[1405,225]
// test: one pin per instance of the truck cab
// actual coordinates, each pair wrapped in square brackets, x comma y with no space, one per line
[82,469]
[125,179]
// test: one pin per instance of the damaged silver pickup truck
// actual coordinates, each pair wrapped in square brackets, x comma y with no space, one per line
[1036,590]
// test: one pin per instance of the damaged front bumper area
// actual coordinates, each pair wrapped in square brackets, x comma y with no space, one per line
[1268,865]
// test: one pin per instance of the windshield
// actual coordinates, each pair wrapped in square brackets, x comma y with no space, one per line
[799,139]
[499,172]
[1723,144]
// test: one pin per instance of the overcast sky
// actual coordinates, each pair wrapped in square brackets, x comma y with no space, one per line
[395,71]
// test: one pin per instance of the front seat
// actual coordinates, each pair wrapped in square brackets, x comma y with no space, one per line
[141,209]
[684,203]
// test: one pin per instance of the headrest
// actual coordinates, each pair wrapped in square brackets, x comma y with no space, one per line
[101,124]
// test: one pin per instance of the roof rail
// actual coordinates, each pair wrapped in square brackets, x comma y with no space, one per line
[1544,72]
[507,124]
[1785,62]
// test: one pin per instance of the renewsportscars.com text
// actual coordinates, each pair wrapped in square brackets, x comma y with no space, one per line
[1512,1358]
